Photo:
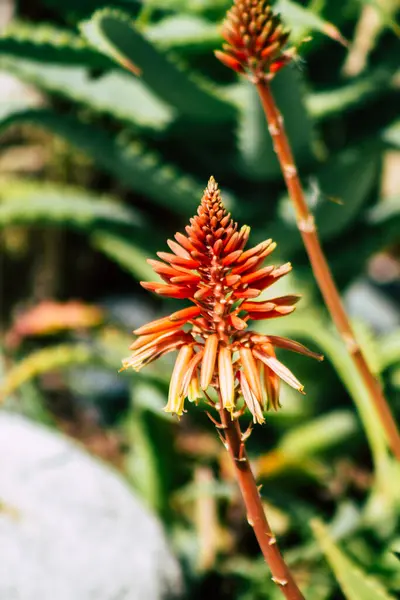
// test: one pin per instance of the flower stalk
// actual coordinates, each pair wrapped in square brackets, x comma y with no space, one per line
[255,47]
[235,444]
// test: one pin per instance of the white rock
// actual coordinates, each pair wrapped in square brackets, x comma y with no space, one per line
[70,527]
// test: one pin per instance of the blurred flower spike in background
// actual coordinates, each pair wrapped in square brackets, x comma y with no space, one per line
[210,267]
[256,40]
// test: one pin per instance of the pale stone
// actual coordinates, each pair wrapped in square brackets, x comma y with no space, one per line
[70,527]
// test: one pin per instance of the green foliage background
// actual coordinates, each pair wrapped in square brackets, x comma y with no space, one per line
[123,163]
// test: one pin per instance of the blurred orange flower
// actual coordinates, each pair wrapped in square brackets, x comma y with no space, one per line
[256,40]
[50,317]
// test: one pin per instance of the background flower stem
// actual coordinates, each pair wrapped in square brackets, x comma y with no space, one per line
[319,264]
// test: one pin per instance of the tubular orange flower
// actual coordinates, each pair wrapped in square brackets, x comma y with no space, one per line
[256,40]
[217,348]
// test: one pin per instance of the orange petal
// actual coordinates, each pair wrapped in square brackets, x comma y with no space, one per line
[185,314]
[262,284]
[178,250]
[229,61]
[258,306]
[184,241]
[190,279]
[270,50]
[251,401]
[218,246]
[279,311]
[189,263]
[280,369]
[246,265]
[192,366]
[249,293]
[251,372]
[237,322]
[232,243]
[279,63]
[287,344]
[175,395]
[272,386]
[165,343]
[255,250]
[231,35]
[157,326]
[203,292]
[151,286]
[226,378]
[174,291]
[144,340]
[244,236]
[162,269]
[286,300]
[231,280]
[231,258]
[208,363]
[270,304]
[250,277]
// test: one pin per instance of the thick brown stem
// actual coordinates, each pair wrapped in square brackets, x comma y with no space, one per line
[320,267]
[281,575]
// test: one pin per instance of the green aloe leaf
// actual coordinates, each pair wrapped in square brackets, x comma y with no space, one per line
[125,253]
[186,33]
[134,166]
[303,20]
[327,104]
[355,583]
[387,11]
[113,33]
[42,361]
[26,203]
[35,203]
[115,93]
[148,467]
[389,349]
[391,135]
[257,157]
[349,178]
[188,6]
[339,191]
[318,435]
[49,44]
[316,330]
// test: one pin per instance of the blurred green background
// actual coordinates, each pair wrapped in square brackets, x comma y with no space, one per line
[98,167]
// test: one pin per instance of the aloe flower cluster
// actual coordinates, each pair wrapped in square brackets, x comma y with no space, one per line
[255,40]
[210,267]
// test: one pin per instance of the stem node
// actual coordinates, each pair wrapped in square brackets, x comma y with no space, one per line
[307,225]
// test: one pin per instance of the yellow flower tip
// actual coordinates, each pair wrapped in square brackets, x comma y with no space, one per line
[175,409]
[226,378]
[175,395]
[212,185]
[127,364]
[194,391]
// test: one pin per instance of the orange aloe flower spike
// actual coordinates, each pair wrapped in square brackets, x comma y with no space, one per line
[210,267]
